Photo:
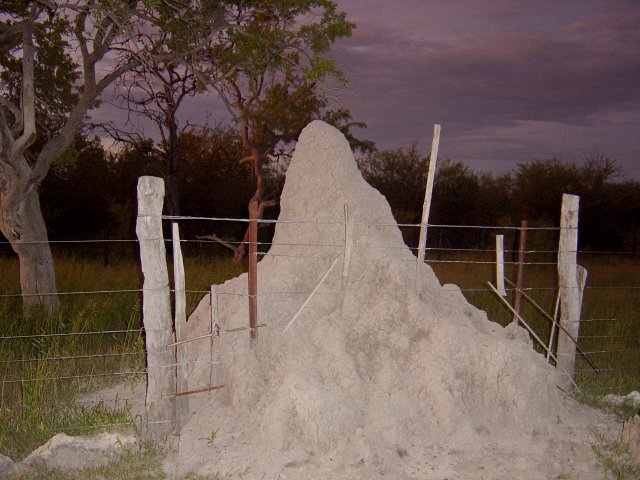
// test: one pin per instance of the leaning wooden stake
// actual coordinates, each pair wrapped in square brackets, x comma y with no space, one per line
[553,322]
[313,292]
[569,284]
[554,325]
[532,332]
[214,332]
[426,206]
[253,272]
[156,310]
[348,245]
[180,321]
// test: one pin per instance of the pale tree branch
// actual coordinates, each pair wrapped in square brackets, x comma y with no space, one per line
[28,96]
[15,111]
[6,139]
[79,33]
[115,74]
[9,30]
[91,90]
[118,134]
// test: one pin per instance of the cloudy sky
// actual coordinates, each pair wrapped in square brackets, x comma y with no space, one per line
[508,80]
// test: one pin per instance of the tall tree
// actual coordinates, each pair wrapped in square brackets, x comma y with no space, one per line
[538,187]
[269,76]
[156,91]
[213,182]
[108,38]
[401,176]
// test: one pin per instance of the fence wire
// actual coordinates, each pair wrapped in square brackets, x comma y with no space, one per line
[620,346]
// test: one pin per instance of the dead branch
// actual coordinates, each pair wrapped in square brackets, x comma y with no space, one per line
[217,239]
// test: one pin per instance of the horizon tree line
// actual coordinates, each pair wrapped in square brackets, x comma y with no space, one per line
[90,193]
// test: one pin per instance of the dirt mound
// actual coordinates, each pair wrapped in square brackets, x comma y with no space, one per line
[383,370]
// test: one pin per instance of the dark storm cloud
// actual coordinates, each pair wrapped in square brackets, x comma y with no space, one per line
[534,69]
[509,80]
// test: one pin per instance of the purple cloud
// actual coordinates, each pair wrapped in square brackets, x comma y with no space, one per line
[509,81]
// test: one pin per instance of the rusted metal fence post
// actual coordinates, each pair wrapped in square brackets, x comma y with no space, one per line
[517,300]
[253,272]
[571,280]
[156,310]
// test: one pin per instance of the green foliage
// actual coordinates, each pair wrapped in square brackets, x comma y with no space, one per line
[400,175]
[269,68]
[610,297]
[92,194]
[140,463]
[615,459]
[341,119]
[55,71]
[212,181]
[564,476]
[212,438]
[609,210]
[80,188]
[49,373]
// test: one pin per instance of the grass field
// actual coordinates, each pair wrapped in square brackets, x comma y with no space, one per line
[38,390]
[610,327]
[42,375]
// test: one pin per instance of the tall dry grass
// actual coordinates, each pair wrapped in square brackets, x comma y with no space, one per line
[610,326]
[41,376]
[48,362]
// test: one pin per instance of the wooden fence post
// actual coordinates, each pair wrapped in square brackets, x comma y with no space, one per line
[348,245]
[426,206]
[517,300]
[180,322]
[214,330]
[569,286]
[156,310]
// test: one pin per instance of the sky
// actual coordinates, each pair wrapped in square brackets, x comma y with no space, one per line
[509,81]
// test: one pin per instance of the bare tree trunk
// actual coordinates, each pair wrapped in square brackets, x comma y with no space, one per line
[21,222]
[172,164]
[255,160]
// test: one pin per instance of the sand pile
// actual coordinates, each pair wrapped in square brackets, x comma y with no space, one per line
[383,372]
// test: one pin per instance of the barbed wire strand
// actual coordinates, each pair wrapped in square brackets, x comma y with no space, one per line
[596,352]
[72,357]
[70,334]
[106,374]
[334,222]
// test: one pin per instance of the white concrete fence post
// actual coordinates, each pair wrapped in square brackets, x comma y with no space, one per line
[156,310]
[500,265]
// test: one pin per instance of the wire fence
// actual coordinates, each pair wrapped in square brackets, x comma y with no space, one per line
[50,371]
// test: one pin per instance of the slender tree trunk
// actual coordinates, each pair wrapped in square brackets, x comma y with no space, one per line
[172,165]
[21,222]
[255,160]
